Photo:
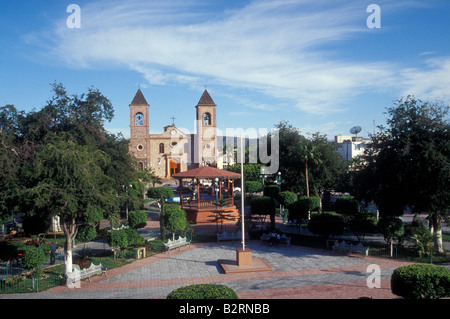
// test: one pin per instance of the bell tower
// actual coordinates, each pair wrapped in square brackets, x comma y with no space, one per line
[206,139]
[139,130]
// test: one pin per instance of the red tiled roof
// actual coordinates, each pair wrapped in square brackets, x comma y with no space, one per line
[207,172]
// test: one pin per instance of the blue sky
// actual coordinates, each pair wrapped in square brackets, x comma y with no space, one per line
[313,63]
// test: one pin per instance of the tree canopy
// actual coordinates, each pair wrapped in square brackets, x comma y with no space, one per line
[60,161]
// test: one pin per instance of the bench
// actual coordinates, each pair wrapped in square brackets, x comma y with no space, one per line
[230,236]
[282,240]
[176,243]
[350,248]
[87,273]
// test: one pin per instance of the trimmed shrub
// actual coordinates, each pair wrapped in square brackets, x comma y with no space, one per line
[33,257]
[175,218]
[346,205]
[253,187]
[133,238]
[262,205]
[271,191]
[117,238]
[299,209]
[203,291]
[137,219]
[286,198]
[158,192]
[326,225]
[421,281]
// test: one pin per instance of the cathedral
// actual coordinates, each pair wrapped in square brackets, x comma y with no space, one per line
[173,150]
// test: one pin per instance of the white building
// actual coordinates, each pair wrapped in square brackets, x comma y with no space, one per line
[350,147]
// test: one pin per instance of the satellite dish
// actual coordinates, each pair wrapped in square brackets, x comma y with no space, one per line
[355,130]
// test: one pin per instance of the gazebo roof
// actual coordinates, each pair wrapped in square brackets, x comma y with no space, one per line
[207,172]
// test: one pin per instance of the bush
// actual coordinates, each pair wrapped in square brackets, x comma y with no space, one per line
[262,205]
[86,233]
[203,291]
[299,209]
[118,238]
[158,192]
[271,191]
[421,281]
[137,219]
[33,257]
[363,224]
[286,198]
[253,187]
[133,238]
[326,225]
[175,218]
[347,205]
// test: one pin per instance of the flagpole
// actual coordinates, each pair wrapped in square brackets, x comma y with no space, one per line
[242,193]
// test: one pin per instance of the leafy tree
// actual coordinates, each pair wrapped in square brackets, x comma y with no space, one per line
[86,233]
[391,227]
[362,224]
[326,225]
[159,192]
[409,163]
[67,180]
[65,163]
[32,258]
[175,219]
[347,205]
[118,238]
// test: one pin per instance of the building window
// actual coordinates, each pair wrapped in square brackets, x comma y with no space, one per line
[139,119]
[141,166]
[161,148]
[206,119]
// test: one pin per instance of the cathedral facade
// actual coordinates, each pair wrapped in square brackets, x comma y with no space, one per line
[173,150]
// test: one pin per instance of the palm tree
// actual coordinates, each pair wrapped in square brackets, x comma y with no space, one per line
[309,154]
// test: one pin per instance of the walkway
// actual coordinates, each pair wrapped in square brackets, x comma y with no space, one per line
[298,273]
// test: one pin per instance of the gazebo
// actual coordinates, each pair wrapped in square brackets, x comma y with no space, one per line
[199,208]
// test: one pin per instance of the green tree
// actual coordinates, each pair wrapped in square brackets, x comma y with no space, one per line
[137,219]
[409,163]
[67,180]
[175,219]
[391,227]
[32,258]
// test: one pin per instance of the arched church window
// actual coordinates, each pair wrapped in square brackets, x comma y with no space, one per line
[139,119]
[161,148]
[206,119]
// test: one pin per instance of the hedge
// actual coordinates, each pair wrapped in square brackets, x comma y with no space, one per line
[421,281]
[203,291]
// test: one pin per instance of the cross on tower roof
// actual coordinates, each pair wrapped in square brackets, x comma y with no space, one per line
[173,120]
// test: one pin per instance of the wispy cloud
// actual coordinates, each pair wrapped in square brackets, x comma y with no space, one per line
[284,49]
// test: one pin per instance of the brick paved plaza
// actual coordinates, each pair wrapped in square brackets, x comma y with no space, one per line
[298,273]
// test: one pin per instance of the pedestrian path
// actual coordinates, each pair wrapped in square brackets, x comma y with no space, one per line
[298,272]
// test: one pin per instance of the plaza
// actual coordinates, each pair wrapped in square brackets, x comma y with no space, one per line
[298,273]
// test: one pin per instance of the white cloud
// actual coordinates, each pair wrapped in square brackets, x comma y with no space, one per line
[284,49]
